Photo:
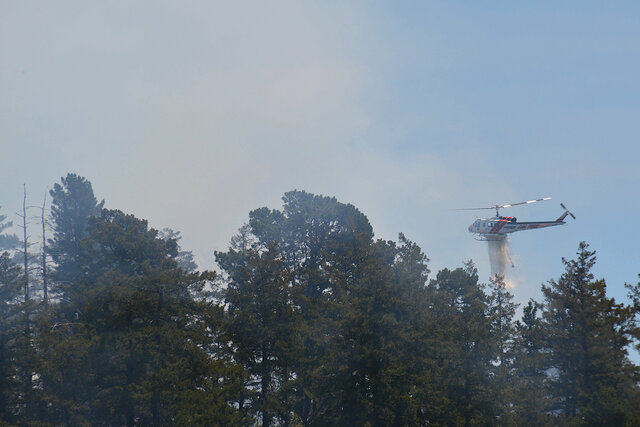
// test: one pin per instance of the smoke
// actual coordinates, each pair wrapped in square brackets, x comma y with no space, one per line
[499,258]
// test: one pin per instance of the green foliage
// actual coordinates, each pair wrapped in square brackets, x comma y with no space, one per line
[130,340]
[262,327]
[377,358]
[587,337]
[463,349]
[374,344]
[318,240]
[346,350]
[7,241]
[501,311]
[529,370]
[311,322]
[10,331]
[73,203]
[183,258]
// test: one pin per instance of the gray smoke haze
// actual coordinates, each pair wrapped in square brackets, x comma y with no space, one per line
[499,259]
[192,114]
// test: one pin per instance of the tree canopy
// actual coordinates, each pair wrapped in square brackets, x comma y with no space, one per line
[310,320]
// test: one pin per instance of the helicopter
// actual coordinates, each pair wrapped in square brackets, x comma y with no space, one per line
[498,227]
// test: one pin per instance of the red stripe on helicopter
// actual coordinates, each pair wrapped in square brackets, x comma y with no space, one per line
[498,227]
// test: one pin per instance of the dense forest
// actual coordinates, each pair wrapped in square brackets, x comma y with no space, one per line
[308,320]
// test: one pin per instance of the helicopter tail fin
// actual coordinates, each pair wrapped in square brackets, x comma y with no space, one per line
[564,215]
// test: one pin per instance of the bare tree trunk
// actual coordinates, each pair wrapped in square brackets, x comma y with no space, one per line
[27,373]
[26,244]
[265,380]
[45,295]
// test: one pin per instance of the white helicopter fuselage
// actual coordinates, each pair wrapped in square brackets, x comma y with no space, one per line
[497,228]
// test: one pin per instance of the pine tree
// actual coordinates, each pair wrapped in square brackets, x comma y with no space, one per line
[11,328]
[592,379]
[313,234]
[411,275]
[358,306]
[310,231]
[463,350]
[73,203]
[262,329]
[502,309]
[529,394]
[375,359]
[7,241]
[131,341]
[184,258]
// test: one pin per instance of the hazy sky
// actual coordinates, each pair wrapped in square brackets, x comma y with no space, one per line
[190,114]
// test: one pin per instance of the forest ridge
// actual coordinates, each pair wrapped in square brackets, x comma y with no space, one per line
[310,321]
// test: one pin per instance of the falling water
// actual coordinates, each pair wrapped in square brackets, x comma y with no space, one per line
[499,258]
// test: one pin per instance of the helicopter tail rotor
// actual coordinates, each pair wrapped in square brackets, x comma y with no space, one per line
[566,211]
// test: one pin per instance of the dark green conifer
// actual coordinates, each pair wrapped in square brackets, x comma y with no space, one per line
[72,204]
[529,373]
[131,343]
[11,328]
[463,351]
[592,380]
[314,235]
[262,326]
[7,241]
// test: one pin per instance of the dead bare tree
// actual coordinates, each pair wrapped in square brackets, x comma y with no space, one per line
[25,243]
[26,340]
[45,291]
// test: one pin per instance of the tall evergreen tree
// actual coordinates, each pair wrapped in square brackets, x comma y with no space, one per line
[411,275]
[357,306]
[314,234]
[501,310]
[529,373]
[634,296]
[373,369]
[73,203]
[131,342]
[592,379]
[463,349]
[11,328]
[263,329]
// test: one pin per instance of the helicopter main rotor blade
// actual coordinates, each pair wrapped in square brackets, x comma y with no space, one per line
[503,206]
[525,203]
[470,209]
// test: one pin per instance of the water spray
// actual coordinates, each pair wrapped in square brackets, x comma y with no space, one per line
[499,256]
